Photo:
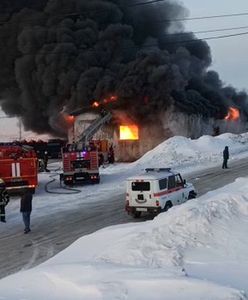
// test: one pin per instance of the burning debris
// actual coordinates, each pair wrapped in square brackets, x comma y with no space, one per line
[58,53]
[104,102]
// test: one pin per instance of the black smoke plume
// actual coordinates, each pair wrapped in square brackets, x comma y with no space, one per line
[60,54]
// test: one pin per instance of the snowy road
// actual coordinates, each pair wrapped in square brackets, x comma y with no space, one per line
[55,232]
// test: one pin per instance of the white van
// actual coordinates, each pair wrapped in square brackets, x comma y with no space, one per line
[156,190]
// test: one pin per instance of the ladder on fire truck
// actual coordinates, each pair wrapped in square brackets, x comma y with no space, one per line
[94,127]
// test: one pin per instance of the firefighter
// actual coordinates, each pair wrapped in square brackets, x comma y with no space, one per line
[111,155]
[101,159]
[4,199]
[46,161]
[41,165]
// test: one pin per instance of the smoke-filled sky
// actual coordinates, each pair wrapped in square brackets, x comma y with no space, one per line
[229,55]
[49,62]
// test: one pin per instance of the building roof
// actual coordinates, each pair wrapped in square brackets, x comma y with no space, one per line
[83,110]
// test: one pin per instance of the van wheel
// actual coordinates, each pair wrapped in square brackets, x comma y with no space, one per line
[168,205]
[192,195]
[137,214]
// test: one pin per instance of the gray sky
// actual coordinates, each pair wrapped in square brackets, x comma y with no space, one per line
[229,55]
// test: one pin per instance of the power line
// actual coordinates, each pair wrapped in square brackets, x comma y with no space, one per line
[167,20]
[157,21]
[151,45]
[145,3]
[206,17]
[102,10]
[210,38]
[219,29]
[201,31]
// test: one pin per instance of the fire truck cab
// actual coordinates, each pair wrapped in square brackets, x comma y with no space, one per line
[18,167]
[157,190]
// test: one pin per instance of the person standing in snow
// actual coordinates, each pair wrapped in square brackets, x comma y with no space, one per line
[26,208]
[4,200]
[46,161]
[225,158]
[101,159]
[111,155]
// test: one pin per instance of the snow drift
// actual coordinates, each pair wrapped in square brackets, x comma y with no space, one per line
[150,260]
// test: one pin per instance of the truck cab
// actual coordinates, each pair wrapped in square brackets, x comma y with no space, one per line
[156,190]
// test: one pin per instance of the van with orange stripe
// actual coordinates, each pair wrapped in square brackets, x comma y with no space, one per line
[157,190]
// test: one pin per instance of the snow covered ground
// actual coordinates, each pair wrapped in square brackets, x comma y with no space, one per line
[195,251]
[180,153]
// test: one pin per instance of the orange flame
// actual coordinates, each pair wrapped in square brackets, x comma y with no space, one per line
[130,132]
[233,114]
[69,119]
[95,104]
[110,99]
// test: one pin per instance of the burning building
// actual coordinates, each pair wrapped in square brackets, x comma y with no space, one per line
[131,139]
[63,55]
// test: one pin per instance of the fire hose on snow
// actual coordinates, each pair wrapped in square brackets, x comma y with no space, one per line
[53,179]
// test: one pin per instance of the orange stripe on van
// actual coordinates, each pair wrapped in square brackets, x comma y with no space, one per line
[167,192]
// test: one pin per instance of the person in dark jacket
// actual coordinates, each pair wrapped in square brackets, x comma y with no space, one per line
[4,200]
[225,158]
[26,209]
[45,159]
[111,155]
[101,159]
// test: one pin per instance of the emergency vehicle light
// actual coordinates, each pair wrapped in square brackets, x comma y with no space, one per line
[157,169]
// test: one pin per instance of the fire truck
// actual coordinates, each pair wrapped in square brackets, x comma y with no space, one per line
[80,159]
[18,167]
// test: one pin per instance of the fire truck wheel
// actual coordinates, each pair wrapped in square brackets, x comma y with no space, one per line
[137,214]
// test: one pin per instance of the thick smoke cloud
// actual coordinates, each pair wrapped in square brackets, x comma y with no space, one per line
[61,54]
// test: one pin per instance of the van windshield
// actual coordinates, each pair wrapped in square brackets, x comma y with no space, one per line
[141,186]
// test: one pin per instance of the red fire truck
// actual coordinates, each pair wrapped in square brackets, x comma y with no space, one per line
[80,166]
[18,167]
[80,160]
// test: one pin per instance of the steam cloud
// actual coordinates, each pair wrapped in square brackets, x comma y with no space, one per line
[59,53]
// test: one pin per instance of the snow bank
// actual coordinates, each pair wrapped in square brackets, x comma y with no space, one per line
[150,260]
[181,152]
[198,223]
[162,242]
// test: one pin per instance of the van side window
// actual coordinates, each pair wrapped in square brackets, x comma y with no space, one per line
[172,182]
[163,184]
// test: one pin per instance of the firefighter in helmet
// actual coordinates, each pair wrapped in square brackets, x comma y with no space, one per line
[4,199]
